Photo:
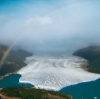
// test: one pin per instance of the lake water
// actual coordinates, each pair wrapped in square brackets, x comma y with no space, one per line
[86,90]
[13,80]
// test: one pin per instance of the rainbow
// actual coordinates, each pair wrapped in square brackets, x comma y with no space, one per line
[5,54]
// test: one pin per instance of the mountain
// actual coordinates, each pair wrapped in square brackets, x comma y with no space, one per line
[92,54]
[14,61]
[31,93]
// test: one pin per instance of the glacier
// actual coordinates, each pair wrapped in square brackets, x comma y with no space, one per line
[55,72]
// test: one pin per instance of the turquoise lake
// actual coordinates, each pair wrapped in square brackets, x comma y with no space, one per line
[13,80]
[86,90]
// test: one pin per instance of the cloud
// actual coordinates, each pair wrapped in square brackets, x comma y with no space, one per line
[61,30]
[39,20]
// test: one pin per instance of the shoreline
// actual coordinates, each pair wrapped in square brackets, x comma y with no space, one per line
[84,66]
[2,77]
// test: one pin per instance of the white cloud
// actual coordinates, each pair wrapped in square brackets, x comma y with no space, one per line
[38,20]
[63,28]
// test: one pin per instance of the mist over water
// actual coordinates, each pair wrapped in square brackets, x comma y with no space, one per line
[55,72]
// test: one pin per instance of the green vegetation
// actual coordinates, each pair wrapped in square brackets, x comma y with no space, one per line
[92,54]
[32,93]
[14,61]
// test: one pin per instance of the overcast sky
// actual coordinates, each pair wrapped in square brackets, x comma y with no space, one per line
[50,25]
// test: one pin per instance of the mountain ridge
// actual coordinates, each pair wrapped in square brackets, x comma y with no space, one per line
[14,60]
[92,54]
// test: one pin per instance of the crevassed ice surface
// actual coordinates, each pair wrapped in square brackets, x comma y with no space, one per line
[55,73]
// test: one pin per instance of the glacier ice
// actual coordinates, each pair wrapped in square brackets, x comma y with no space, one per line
[55,73]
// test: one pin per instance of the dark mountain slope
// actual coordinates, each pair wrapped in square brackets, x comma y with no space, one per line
[14,61]
[92,54]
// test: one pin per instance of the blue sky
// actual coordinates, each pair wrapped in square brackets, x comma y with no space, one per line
[11,6]
[51,25]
